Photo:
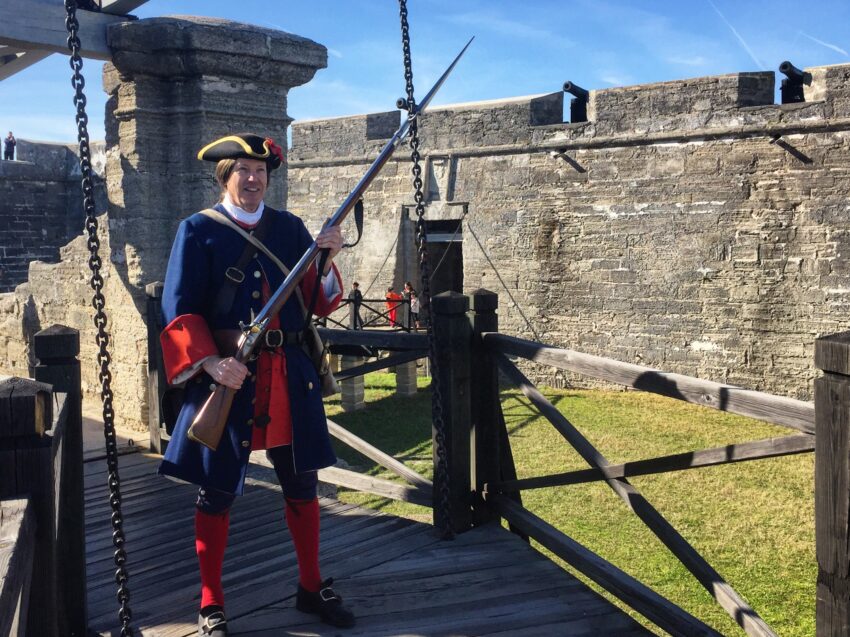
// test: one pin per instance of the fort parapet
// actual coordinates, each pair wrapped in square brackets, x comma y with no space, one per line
[694,225]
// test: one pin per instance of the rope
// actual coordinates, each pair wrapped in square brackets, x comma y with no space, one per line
[504,285]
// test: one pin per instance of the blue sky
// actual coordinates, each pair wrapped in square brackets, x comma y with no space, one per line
[521,48]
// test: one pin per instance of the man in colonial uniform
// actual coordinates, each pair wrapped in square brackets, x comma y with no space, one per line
[215,280]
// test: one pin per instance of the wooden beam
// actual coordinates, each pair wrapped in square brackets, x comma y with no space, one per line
[755,450]
[375,338]
[41,26]
[383,459]
[20,62]
[121,7]
[377,486]
[712,581]
[777,410]
[643,599]
[382,363]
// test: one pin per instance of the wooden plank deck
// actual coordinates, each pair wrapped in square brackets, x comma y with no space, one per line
[399,579]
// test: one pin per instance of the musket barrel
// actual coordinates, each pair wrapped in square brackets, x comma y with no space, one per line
[208,426]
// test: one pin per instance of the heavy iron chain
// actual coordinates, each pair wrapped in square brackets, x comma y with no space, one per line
[100,321]
[441,471]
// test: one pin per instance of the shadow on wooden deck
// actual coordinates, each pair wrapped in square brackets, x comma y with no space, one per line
[395,574]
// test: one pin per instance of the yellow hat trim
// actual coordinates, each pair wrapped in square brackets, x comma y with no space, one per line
[233,138]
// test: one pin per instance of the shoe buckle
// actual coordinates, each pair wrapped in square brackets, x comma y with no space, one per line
[212,622]
[327,594]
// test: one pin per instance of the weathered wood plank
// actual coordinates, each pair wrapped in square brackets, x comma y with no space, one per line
[42,27]
[755,450]
[381,340]
[376,486]
[777,410]
[17,547]
[619,583]
[383,363]
[711,580]
[385,460]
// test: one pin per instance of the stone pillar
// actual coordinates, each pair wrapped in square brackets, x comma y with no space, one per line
[405,379]
[353,389]
[174,85]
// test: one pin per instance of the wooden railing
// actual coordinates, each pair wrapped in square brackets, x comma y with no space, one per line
[482,478]
[42,555]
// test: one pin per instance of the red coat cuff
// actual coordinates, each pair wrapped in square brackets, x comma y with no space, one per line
[324,305]
[185,341]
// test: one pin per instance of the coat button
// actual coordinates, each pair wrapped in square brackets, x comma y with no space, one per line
[310,385]
[257,274]
[253,401]
[254,378]
[250,421]
[255,294]
[212,386]
[246,444]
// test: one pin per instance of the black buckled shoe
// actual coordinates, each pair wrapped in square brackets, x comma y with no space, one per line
[213,625]
[326,604]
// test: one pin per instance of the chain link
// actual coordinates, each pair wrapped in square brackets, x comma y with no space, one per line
[441,470]
[100,320]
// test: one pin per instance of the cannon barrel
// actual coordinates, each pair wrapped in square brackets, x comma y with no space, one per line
[574,89]
[791,71]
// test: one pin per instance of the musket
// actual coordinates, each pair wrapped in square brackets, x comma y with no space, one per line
[211,420]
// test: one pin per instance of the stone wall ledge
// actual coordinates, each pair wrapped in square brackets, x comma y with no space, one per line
[553,138]
[192,46]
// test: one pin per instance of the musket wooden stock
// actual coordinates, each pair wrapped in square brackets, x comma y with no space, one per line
[209,424]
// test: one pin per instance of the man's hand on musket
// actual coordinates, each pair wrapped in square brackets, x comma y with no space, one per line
[226,371]
[330,238]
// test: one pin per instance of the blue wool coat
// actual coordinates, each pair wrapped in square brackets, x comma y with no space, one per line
[203,250]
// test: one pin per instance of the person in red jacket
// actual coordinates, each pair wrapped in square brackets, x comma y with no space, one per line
[393,299]
[213,284]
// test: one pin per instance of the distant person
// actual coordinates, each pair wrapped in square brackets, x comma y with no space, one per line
[9,147]
[409,295]
[356,298]
[393,299]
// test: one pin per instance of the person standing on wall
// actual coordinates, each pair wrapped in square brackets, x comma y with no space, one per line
[9,147]
[215,279]
[356,298]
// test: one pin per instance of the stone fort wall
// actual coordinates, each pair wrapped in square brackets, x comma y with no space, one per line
[693,226]
[40,209]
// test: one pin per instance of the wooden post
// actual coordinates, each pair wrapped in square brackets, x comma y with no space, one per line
[484,403]
[453,335]
[832,485]
[26,468]
[56,349]
[156,374]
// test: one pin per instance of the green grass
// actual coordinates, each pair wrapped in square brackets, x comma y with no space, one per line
[752,521]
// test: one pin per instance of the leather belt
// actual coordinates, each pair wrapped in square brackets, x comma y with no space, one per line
[278,338]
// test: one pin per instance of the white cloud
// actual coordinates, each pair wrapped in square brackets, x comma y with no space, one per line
[696,60]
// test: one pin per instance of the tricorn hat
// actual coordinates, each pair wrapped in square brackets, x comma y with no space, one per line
[243,145]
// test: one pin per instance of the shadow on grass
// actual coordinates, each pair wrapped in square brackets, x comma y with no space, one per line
[397,425]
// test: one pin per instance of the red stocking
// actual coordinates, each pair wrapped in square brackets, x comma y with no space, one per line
[302,518]
[210,542]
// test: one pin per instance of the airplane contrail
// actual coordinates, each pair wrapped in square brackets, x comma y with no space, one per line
[826,44]
[738,35]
